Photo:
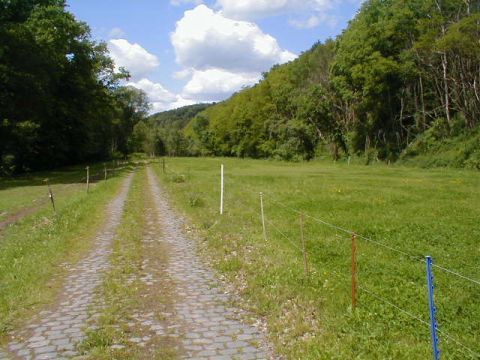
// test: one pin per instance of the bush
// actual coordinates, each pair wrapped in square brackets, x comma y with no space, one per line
[436,148]
[195,200]
[7,166]
[177,178]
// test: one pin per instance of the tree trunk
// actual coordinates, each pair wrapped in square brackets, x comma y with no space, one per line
[445,72]
[422,101]
[445,88]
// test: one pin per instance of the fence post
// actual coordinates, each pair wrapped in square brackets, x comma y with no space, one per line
[88,178]
[163,164]
[105,170]
[354,271]
[50,195]
[433,309]
[304,248]
[263,217]
[221,190]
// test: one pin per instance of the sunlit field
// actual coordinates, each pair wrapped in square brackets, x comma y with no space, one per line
[400,215]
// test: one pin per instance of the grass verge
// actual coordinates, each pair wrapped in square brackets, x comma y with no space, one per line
[35,251]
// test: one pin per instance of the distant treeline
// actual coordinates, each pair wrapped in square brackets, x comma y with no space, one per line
[163,133]
[403,74]
[60,99]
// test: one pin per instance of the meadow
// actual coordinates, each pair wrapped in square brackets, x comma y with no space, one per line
[400,215]
[22,195]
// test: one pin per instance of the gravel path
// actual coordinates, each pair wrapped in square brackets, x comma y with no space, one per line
[207,326]
[55,333]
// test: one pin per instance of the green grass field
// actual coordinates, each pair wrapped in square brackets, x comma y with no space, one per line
[417,212]
[35,251]
[30,191]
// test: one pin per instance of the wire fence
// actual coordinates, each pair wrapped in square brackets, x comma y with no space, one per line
[416,258]
[54,190]
[365,238]
[269,198]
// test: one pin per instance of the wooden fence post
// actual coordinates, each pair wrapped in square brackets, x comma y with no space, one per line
[50,195]
[88,178]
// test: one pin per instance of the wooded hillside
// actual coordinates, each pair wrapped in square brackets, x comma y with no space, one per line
[400,69]
[60,99]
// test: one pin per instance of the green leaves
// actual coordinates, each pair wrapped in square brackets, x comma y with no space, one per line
[59,90]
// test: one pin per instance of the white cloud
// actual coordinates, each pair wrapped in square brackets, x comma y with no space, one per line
[216,84]
[138,61]
[160,98]
[156,92]
[220,55]
[205,39]
[181,101]
[254,9]
[116,33]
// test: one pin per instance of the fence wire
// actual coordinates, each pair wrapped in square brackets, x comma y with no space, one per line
[415,258]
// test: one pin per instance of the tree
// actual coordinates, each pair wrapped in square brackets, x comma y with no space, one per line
[131,106]
[59,96]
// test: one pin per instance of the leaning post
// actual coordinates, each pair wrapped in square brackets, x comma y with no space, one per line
[50,195]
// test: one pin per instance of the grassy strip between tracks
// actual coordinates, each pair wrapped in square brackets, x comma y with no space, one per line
[119,335]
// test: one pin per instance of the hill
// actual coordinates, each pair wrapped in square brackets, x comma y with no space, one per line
[400,68]
[178,118]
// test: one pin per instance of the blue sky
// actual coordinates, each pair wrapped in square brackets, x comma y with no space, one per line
[182,52]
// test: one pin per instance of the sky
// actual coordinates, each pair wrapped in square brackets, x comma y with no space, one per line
[182,52]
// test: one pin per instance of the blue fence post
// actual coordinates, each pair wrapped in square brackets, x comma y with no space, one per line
[433,310]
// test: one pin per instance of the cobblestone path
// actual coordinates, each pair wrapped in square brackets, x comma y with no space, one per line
[149,334]
[208,327]
[53,334]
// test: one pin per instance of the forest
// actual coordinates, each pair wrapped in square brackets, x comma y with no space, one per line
[401,83]
[61,101]
[402,80]
[162,133]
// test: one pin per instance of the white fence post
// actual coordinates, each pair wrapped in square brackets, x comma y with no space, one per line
[263,217]
[221,190]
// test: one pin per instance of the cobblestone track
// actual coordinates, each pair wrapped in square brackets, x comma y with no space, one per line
[149,322]
[55,333]
[209,328]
